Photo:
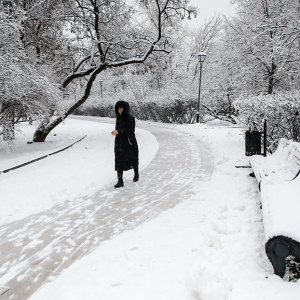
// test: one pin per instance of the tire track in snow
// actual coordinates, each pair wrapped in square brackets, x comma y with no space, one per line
[38,248]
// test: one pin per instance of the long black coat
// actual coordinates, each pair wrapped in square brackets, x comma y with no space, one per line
[126,147]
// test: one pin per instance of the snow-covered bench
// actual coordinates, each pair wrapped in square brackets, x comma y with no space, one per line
[279,182]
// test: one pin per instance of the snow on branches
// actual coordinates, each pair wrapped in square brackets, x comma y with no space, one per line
[281,110]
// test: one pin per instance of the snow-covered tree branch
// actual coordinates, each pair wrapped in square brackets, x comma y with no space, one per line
[122,35]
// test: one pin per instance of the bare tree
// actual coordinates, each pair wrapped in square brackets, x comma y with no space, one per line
[205,38]
[113,35]
[266,45]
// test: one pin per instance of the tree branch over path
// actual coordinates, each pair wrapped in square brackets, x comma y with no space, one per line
[119,40]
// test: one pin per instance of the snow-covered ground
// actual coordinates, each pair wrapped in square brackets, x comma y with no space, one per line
[209,247]
[82,170]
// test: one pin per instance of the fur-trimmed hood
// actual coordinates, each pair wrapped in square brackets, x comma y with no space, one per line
[126,109]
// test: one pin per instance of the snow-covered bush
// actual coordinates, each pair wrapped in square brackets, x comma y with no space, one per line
[281,110]
[177,111]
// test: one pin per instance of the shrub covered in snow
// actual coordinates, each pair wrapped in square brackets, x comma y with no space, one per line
[177,111]
[281,110]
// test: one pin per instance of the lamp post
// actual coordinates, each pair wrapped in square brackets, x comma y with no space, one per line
[101,82]
[201,58]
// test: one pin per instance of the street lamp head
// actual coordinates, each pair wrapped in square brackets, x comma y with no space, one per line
[201,56]
[100,81]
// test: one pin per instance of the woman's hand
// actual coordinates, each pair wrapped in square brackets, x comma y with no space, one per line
[114,132]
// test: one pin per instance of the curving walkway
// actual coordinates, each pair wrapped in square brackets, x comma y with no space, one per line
[36,249]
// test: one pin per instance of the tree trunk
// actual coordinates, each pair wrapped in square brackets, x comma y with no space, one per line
[271,79]
[46,127]
[40,134]
[109,58]
[43,130]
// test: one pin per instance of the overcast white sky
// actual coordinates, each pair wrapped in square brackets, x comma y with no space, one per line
[210,7]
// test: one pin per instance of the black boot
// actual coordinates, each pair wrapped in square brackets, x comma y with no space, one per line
[136,174]
[120,182]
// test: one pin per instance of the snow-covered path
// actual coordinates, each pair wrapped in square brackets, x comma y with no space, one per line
[37,248]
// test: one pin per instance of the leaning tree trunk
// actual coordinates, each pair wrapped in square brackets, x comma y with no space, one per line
[110,53]
[43,130]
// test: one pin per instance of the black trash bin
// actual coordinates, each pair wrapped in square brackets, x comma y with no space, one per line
[253,143]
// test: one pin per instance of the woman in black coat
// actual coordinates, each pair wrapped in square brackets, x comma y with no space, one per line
[126,147]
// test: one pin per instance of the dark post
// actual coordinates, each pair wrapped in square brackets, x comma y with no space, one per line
[201,58]
[265,137]
[199,111]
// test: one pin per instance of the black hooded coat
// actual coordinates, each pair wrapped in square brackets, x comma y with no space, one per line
[126,147]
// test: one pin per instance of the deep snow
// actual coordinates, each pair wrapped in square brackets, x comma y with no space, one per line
[210,246]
